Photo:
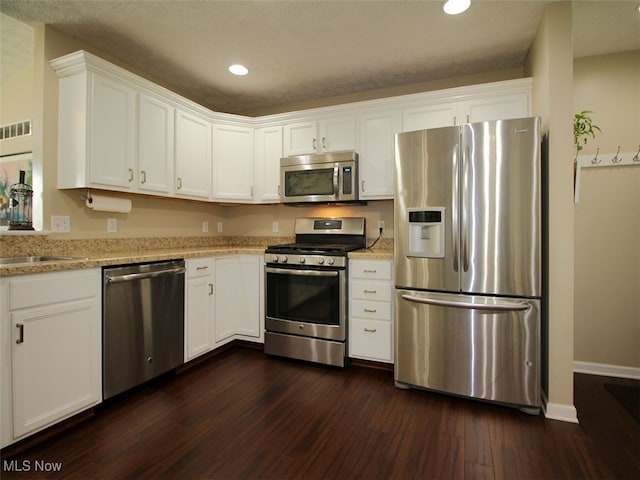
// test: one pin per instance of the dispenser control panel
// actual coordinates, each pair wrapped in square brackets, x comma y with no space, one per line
[426,232]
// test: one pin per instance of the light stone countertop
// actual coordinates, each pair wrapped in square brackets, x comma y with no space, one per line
[103,252]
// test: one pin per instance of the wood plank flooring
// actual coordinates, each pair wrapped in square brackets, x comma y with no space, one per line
[243,415]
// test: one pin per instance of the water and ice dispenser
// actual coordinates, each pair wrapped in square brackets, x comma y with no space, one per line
[426,232]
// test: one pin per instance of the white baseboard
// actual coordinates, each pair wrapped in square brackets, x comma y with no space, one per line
[558,411]
[606,370]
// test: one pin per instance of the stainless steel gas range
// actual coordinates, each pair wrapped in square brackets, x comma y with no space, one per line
[306,290]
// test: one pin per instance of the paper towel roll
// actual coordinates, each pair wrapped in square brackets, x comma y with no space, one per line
[101,203]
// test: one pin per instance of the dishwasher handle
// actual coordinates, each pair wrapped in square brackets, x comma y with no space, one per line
[141,276]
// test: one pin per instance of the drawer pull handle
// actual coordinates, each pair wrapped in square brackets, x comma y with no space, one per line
[370,291]
[202,268]
[370,271]
[20,328]
[371,330]
[369,310]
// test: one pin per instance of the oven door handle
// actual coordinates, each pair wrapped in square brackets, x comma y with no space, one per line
[292,271]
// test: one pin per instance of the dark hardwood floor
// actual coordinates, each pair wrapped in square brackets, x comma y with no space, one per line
[243,415]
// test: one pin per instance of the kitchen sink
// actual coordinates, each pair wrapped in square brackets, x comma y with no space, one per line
[37,259]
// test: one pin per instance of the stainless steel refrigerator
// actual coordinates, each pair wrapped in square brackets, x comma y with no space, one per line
[468,261]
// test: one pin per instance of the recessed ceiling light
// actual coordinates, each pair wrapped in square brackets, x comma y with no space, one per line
[238,69]
[454,7]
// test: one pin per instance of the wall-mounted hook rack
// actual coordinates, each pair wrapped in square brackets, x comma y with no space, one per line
[617,160]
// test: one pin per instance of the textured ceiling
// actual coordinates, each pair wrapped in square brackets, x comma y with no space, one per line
[304,50]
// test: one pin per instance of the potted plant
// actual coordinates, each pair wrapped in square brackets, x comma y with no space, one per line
[583,128]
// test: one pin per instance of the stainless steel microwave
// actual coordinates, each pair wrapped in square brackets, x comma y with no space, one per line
[326,177]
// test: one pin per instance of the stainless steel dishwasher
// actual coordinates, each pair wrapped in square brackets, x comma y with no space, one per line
[142,323]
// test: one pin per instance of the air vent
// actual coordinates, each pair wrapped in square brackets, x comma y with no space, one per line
[19,129]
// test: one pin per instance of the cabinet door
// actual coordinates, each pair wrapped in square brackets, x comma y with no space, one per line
[377,151]
[111,133]
[249,296]
[429,116]
[228,299]
[238,297]
[233,163]
[268,151]
[301,138]
[155,145]
[499,107]
[192,156]
[56,363]
[200,308]
[337,134]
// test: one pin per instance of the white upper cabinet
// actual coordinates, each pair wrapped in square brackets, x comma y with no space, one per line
[330,135]
[495,107]
[429,116]
[112,139]
[268,151]
[97,125]
[192,156]
[377,149]
[155,145]
[118,131]
[233,163]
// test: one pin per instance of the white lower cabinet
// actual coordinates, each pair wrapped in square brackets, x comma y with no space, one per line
[370,310]
[199,331]
[239,296]
[51,349]
[224,300]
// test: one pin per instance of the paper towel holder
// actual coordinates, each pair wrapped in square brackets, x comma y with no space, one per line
[104,203]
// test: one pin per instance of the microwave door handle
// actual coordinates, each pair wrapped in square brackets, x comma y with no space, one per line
[336,181]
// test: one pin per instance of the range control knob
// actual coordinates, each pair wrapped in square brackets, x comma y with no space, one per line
[320,260]
[330,260]
[302,259]
[283,259]
[274,258]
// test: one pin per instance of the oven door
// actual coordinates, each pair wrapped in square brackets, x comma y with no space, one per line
[306,302]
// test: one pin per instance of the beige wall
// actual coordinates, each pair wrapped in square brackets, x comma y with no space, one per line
[607,218]
[16,89]
[550,63]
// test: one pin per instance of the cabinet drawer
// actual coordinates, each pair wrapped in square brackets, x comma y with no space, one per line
[54,287]
[363,290]
[199,267]
[371,310]
[370,339]
[378,270]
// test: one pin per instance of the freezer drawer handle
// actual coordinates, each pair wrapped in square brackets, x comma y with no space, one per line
[140,276]
[503,306]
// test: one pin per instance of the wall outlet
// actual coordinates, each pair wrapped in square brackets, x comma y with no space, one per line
[205,227]
[112,225]
[275,227]
[381,225]
[219,227]
[60,223]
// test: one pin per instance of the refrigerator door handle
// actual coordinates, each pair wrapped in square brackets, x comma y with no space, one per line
[501,305]
[464,225]
[455,231]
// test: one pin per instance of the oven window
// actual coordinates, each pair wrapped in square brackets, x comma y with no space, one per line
[304,298]
[309,182]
